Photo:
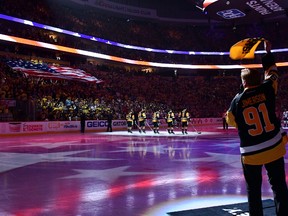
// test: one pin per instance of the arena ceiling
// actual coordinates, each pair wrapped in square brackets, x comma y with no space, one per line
[197,11]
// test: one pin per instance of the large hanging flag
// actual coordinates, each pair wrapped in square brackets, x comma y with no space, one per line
[245,49]
[51,72]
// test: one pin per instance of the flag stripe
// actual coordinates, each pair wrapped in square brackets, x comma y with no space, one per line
[51,71]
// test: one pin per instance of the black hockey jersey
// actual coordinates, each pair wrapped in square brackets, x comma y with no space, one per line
[259,128]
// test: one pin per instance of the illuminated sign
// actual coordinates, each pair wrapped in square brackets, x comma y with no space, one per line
[265,7]
[231,14]
[245,10]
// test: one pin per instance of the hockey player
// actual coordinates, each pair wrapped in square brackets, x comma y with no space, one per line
[184,117]
[155,121]
[262,140]
[142,121]
[170,121]
[130,119]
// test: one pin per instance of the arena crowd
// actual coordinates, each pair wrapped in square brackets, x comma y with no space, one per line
[202,94]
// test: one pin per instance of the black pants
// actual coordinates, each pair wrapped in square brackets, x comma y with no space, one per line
[225,124]
[82,127]
[277,179]
[184,124]
[142,124]
[156,124]
[109,128]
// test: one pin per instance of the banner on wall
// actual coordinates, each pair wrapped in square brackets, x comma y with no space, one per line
[63,126]
[57,126]
[74,126]
[92,125]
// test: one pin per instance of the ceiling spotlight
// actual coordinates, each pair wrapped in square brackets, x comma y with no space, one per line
[227,2]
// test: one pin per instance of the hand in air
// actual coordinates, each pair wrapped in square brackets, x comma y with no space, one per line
[267,46]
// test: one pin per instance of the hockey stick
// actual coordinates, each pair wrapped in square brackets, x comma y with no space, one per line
[137,126]
[198,132]
[148,125]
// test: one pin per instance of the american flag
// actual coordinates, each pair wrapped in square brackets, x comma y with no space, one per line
[51,72]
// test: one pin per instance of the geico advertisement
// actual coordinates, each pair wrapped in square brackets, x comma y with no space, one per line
[103,124]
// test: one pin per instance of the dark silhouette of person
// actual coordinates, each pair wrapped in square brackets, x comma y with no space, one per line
[109,120]
[82,122]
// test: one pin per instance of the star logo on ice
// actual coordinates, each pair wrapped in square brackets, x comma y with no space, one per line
[11,161]
[48,145]
[228,159]
[107,175]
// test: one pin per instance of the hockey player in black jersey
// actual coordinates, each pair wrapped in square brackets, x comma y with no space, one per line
[262,140]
